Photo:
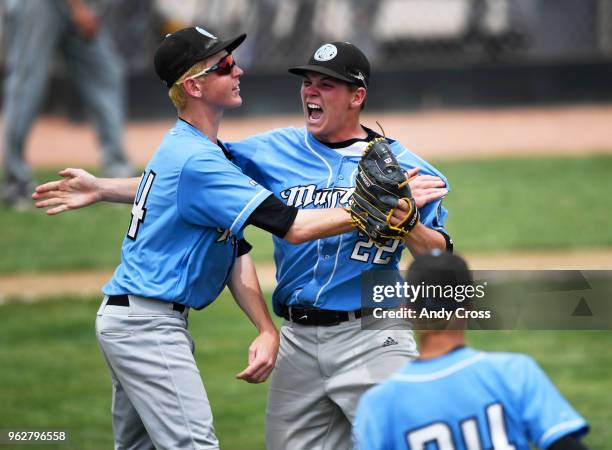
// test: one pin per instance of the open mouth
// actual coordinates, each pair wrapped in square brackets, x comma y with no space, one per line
[314,111]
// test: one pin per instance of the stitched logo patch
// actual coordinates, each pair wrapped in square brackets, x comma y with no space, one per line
[326,52]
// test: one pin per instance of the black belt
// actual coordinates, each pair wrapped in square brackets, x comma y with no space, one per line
[319,317]
[123,300]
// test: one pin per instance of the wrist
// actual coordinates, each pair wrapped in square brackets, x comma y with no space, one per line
[102,189]
[268,329]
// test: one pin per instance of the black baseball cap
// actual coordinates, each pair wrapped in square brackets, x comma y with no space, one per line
[439,268]
[183,48]
[341,60]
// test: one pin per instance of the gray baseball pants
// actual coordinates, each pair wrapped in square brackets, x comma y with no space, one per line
[320,374]
[159,400]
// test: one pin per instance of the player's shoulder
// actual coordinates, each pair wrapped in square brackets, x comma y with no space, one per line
[186,153]
[278,140]
[408,159]
[511,369]
[183,139]
[508,360]
[286,133]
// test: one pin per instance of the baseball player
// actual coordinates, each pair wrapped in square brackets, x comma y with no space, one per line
[457,398]
[183,245]
[325,360]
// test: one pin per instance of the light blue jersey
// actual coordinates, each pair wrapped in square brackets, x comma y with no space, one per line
[305,173]
[190,209]
[465,400]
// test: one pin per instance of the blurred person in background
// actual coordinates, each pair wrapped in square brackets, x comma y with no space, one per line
[37,32]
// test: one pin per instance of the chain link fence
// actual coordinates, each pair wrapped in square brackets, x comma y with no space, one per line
[394,34]
[450,52]
[402,34]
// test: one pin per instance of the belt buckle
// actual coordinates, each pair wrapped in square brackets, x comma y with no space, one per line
[290,313]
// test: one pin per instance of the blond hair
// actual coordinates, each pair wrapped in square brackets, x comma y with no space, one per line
[177,92]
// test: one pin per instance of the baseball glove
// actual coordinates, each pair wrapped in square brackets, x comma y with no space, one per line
[380,185]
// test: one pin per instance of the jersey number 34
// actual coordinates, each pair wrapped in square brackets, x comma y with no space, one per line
[441,434]
[138,209]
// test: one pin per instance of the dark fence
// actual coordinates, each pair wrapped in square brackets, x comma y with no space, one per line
[437,52]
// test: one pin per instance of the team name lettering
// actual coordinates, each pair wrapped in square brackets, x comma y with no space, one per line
[304,196]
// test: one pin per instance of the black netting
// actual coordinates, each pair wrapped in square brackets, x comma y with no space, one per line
[394,34]
[397,34]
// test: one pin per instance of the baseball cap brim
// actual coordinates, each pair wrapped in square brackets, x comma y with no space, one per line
[301,70]
[229,45]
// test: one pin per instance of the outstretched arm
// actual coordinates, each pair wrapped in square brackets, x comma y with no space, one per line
[79,188]
[312,224]
[309,224]
[244,286]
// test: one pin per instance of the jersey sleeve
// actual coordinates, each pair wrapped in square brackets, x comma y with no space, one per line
[433,214]
[213,192]
[545,412]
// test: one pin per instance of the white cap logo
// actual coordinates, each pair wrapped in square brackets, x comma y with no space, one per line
[205,33]
[326,52]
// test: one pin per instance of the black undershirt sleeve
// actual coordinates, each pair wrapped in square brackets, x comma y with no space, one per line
[273,216]
[569,442]
[243,247]
[449,241]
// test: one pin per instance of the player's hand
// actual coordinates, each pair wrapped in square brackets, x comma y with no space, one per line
[79,188]
[425,188]
[262,357]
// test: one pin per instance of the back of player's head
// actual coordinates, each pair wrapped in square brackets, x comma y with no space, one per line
[445,282]
[438,267]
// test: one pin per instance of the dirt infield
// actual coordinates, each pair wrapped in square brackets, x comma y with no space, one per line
[29,287]
[55,142]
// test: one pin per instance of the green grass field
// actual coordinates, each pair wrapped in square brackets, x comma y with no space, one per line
[53,375]
[495,205]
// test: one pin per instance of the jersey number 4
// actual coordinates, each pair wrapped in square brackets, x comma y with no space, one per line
[440,433]
[138,209]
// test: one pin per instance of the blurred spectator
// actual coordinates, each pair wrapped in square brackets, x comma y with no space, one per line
[36,32]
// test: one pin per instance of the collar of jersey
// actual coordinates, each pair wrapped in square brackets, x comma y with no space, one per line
[182,124]
[187,126]
[344,152]
[448,359]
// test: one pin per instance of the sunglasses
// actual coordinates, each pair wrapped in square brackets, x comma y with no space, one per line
[223,67]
